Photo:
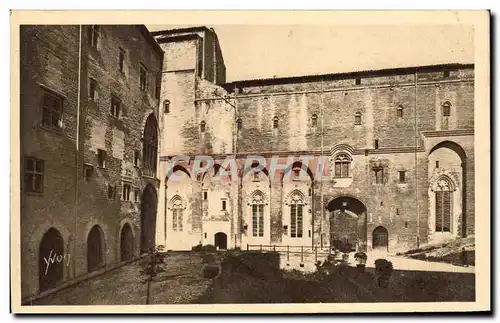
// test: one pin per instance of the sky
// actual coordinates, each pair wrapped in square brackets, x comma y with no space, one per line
[260,51]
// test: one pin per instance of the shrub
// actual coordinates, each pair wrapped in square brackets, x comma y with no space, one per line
[205,248]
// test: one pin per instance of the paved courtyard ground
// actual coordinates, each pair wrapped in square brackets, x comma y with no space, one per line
[183,283]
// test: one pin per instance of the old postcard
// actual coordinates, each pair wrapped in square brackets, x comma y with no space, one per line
[192,162]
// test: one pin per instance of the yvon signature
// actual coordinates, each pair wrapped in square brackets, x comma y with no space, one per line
[55,258]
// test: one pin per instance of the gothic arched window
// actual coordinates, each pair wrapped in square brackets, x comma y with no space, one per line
[342,165]
[258,214]
[150,146]
[446,109]
[444,194]
[296,214]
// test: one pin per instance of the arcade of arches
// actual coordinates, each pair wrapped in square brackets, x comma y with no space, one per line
[366,213]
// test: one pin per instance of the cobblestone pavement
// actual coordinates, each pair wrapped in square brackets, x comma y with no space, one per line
[181,283]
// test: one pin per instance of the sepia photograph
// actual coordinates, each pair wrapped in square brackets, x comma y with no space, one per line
[182,161]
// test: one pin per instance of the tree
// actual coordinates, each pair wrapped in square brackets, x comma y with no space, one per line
[152,268]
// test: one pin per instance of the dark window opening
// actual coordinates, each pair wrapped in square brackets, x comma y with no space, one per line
[205,196]
[137,194]
[358,81]
[402,177]
[397,211]
[166,106]
[136,157]
[379,176]
[150,147]
[376,144]
[446,74]
[239,124]
[314,121]
[126,192]
[111,191]
[121,61]
[101,158]
[446,109]
[381,203]
[33,175]
[143,78]
[93,89]
[115,107]
[87,172]
[224,205]
[357,118]
[400,112]
[437,163]
[203,126]
[275,122]
[406,224]
[52,111]
[93,36]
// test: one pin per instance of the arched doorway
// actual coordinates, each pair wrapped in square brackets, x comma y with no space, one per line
[51,248]
[347,224]
[126,243]
[221,240]
[380,239]
[148,218]
[95,244]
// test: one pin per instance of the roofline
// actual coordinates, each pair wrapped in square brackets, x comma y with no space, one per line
[179,30]
[150,39]
[331,76]
[173,39]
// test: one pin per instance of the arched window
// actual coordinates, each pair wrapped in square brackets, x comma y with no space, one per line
[177,216]
[202,126]
[239,124]
[258,214]
[275,122]
[357,118]
[342,165]
[444,193]
[296,215]
[446,109]
[150,146]
[399,111]
[166,106]
[314,120]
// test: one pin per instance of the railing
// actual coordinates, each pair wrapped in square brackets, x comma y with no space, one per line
[292,250]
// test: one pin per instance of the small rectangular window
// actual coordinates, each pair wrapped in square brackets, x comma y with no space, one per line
[92,89]
[126,192]
[115,107]
[446,74]
[121,61]
[379,176]
[52,110]
[224,205]
[437,163]
[376,144]
[205,195]
[358,81]
[137,194]
[93,36]
[111,191]
[87,172]
[402,176]
[33,175]
[136,157]
[143,78]
[158,86]
[101,158]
